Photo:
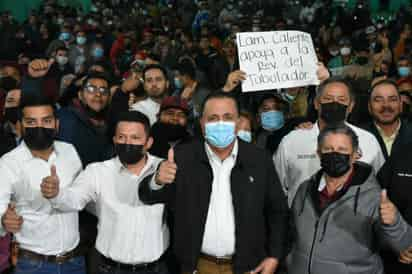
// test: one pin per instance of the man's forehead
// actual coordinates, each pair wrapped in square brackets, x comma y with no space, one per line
[337,89]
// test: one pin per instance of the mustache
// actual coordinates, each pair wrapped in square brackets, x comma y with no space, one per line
[387,109]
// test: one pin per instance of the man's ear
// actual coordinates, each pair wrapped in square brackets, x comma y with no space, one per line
[149,143]
[351,106]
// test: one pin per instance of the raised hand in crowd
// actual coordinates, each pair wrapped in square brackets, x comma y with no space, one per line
[10,220]
[39,67]
[233,80]
[167,170]
[50,184]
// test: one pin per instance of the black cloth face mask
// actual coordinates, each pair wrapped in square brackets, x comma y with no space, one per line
[39,138]
[335,164]
[129,154]
[333,113]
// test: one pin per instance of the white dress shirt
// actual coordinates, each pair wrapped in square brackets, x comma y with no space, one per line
[44,230]
[296,158]
[219,236]
[129,231]
[148,107]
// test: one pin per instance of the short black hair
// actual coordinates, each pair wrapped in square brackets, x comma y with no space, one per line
[187,68]
[137,117]
[35,100]
[384,82]
[62,48]
[283,105]
[336,79]
[96,75]
[340,128]
[220,95]
[154,66]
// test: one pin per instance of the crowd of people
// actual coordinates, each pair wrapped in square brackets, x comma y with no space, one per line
[128,146]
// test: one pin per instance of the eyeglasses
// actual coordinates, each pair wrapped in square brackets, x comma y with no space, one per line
[93,90]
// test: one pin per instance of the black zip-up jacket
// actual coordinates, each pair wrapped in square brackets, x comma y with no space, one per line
[396,177]
[260,207]
[404,136]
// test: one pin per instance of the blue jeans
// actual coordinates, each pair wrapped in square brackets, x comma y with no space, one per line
[159,268]
[72,266]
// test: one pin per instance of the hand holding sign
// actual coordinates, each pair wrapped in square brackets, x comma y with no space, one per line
[233,80]
[277,59]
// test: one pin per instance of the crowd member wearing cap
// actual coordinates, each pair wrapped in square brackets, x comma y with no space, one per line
[387,125]
[132,237]
[171,127]
[296,159]
[156,87]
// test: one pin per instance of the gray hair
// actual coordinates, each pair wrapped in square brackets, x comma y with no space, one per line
[341,128]
[333,80]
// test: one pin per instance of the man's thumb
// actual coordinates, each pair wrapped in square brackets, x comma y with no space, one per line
[171,155]
[384,196]
[53,171]
[11,207]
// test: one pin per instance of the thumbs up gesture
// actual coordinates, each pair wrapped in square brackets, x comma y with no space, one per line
[50,185]
[10,220]
[166,173]
[387,209]
[39,67]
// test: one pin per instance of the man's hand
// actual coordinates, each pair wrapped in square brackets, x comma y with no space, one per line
[39,67]
[167,170]
[322,72]
[187,92]
[50,185]
[267,266]
[233,80]
[387,209]
[131,83]
[10,220]
[405,256]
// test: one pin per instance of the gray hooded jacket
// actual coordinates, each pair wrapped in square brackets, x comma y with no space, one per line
[346,236]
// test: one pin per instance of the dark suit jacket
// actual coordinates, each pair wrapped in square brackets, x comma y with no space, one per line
[260,207]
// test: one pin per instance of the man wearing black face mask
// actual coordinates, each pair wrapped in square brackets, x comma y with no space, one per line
[132,237]
[171,127]
[48,239]
[296,159]
[341,214]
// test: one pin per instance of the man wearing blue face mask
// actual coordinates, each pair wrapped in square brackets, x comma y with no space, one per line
[271,118]
[230,212]
[404,68]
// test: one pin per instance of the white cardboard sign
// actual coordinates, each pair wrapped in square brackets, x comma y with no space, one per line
[276,59]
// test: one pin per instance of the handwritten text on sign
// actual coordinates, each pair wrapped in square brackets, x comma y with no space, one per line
[276,59]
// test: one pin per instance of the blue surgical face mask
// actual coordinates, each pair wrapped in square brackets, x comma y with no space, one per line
[220,134]
[178,83]
[245,135]
[80,40]
[272,120]
[98,52]
[403,71]
[64,36]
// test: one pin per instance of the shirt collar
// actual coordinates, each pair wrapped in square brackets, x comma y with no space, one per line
[148,167]
[395,133]
[27,155]
[213,157]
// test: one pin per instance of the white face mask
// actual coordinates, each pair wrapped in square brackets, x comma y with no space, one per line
[62,60]
[345,51]
[334,52]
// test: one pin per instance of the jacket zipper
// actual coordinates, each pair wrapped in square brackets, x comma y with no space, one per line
[313,246]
